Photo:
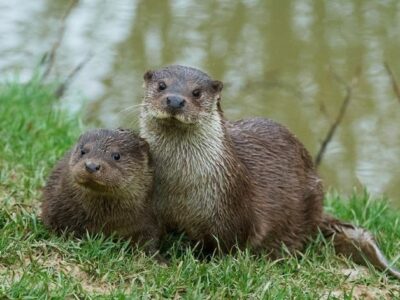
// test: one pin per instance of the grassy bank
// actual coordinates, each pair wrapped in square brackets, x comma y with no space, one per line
[35,263]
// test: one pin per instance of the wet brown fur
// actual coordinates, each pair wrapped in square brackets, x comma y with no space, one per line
[261,189]
[115,199]
[226,184]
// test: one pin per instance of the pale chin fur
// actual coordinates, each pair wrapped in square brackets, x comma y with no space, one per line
[163,115]
[158,114]
[183,120]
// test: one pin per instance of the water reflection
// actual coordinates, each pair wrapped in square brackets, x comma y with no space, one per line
[275,57]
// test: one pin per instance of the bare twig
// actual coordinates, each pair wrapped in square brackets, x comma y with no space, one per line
[339,117]
[50,56]
[64,85]
[395,85]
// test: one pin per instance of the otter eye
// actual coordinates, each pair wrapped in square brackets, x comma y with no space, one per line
[162,86]
[84,151]
[196,93]
[116,156]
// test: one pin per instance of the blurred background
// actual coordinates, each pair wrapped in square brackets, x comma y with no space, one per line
[278,59]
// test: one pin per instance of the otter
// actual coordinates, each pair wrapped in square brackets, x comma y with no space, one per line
[249,183]
[104,185]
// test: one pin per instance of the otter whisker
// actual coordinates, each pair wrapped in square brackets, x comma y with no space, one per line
[134,123]
[131,108]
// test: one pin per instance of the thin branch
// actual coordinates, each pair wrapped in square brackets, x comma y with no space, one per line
[395,85]
[50,56]
[339,117]
[64,85]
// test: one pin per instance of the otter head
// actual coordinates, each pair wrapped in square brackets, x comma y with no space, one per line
[110,161]
[180,94]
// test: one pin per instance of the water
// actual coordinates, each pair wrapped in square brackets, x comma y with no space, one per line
[277,59]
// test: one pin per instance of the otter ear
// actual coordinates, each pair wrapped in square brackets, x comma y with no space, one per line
[217,85]
[81,137]
[144,145]
[148,75]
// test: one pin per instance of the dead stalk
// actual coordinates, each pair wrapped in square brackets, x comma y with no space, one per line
[339,117]
[395,85]
[64,85]
[49,57]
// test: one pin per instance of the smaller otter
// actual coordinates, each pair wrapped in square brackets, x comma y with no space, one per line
[104,185]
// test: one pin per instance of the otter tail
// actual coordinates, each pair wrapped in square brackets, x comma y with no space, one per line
[357,243]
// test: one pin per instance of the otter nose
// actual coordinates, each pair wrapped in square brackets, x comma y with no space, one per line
[91,167]
[175,102]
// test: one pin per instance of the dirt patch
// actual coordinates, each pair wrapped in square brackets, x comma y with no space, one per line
[355,274]
[364,292]
[357,290]
[55,263]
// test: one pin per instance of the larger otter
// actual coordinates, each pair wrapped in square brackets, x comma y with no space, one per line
[245,183]
[104,184]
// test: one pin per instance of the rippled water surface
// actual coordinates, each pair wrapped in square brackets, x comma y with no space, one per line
[277,59]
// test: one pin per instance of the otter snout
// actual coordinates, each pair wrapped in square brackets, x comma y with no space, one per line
[175,102]
[92,167]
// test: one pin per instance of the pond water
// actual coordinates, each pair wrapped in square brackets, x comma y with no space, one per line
[278,59]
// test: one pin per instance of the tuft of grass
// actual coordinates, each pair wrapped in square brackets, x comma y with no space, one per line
[35,263]
[33,134]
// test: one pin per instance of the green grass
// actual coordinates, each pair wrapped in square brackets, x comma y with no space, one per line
[37,264]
